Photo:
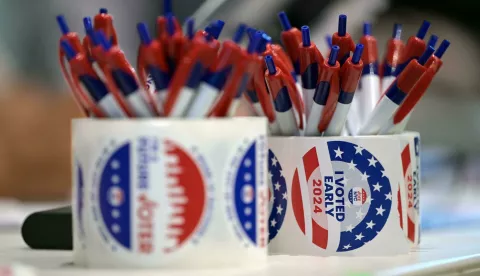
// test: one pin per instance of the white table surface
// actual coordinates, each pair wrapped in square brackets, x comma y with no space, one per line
[442,253]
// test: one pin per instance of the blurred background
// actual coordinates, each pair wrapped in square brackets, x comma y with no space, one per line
[36,106]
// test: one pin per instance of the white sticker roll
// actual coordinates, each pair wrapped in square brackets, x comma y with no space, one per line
[173,193]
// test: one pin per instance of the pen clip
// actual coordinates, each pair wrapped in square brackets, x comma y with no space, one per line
[332,100]
[262,93]
[103,21]
[296,98]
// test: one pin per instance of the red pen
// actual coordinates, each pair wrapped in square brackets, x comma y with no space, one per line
[103,21]
[435,60]
[414,48]
[291,37]
[343,40]
[391,61]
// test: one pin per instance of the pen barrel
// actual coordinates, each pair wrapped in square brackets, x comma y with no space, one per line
[262,91]
[309,66]
[74,41]
[413,50]
[409,77]
[370,50]
[346,45]
[104,22]
[291,39]
[331,104]
[395,49]
[350,75]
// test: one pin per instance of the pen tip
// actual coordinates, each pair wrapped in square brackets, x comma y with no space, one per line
[428,52]
[357,54]
[332,58]
[272,70]
[237,37]
[367,28]
[103,11]
[342,25]
[62,23]
[328,39]
[306,36]
[284,21]
[68,49]
[433,40]
[190,22]
[253,45]
[423,29]
[442,48]
[142,29]
[167,7]
[397,31]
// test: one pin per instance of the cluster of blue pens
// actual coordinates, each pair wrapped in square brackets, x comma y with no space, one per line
[193,75]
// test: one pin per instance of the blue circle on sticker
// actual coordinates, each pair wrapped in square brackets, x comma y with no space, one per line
[277,195]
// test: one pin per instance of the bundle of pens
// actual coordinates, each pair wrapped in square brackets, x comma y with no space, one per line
[194,75]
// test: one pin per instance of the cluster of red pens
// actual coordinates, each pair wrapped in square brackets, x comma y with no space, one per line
[191,74]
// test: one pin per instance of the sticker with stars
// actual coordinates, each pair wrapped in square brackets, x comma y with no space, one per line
[277,195]
[368,193]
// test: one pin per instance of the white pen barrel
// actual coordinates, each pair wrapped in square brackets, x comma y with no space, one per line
[139,104]
[368,97]
[287,122]
[338,120]
[183,101]
[314,119]
[379,117]
[99,72]
[391,128]
[110,106]
[386,82]
[274,128]
[204,100]
[232,110]
[308,99]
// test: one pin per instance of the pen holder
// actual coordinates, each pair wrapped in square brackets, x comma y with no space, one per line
[169,193]
[349,196]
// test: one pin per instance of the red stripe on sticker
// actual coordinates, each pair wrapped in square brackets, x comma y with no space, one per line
[297,202]
[406,159]
[411,230]
[310,162]
[399,206]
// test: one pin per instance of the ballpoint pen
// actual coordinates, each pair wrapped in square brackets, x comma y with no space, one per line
[328,69]
[401,117]
[343,40]
[216,76]
[283,94]
[310,60]
[349,77]
[174,44]
[93,48]
[151,61]
[396,93]
[391,62]
[103,21]
[82,74]
[415,47]
[187,77]
[123,83]
[161,23]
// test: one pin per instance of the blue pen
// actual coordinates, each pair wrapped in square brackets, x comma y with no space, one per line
[82,73]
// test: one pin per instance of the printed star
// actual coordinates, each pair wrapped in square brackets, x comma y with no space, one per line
[247,177]
[372,161]
[369,199]
[279,209]
[277,186]
[247,163]
[349,228]
[383,174]
[274,161]
[115,213]
[338,153]
[270,175]
[273,222]
[370,224]
[281,173]
[247,211]
[388,196]
[365,176]
[359,237]
[284,195]
[377,187]
[351,165]
[347,246]
[115,179]
[344,181]
[359,214]
[358,150]
[380,210]
[115,164]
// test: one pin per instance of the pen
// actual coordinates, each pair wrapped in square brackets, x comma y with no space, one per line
[328,69]
[151,60]
[283,94]
[343,40]
[123,83]
[103,21]
[310,60]
[161,23]
[400,119]
[187,77]
[291,37]
[415,47]
[391,62]
[396,93]
[432,41]
[215,78]
[349,77]
[92,48]
[83,73]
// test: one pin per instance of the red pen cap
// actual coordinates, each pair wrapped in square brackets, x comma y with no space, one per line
[435,60]
[261,89]
[369,42]
[329,72]
[414,95]
[415,44]
[343,39]
[308,51]
[351,71]
[104,21]
[291,38]
[395,47]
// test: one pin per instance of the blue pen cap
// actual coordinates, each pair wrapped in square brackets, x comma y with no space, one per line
[253,45]
[190,22]
[145,37]
[432,41]
[284,21]
[342,25]
[87,24]
[423,59]
[262,44]
[272,70]
[442,48]
[103,10]
[167,7]
[237,37]
[170,24]
[217,28]
[367,28]
[251,32]
[328,39]
[332,58]
[305,36]
[397,31]
[102,40]
[68,49]
[62,23]
[357,54]
[423,29]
